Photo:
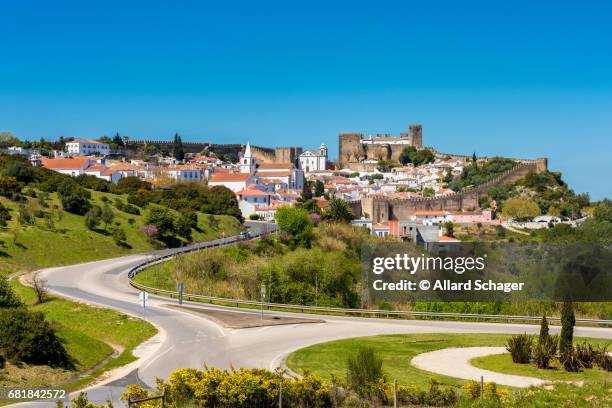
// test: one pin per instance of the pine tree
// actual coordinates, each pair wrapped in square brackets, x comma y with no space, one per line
[178,152]
[568,321]
[319,188]
[543,329]
[306,192]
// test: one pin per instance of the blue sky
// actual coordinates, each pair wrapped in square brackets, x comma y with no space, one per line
[519,78]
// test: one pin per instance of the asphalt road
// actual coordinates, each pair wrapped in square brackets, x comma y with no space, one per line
[188,340]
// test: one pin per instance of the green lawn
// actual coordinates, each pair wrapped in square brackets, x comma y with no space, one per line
[503,363]
[396,351]
[68,241]
[88,333]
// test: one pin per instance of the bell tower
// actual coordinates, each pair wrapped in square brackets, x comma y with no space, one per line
[248,163]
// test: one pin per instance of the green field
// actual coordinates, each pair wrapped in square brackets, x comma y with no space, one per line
[90,334]
[396,352]
[68,241]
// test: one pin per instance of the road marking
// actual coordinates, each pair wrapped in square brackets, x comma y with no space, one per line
[144,367]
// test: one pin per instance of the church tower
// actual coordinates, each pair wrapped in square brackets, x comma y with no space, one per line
[248,164]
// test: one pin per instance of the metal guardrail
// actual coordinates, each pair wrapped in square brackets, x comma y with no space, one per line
[171,253]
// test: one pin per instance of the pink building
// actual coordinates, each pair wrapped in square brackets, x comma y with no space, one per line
[465,217]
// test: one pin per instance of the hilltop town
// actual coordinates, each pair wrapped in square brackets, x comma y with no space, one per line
[392,184]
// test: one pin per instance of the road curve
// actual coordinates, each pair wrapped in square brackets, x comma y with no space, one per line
[186,340]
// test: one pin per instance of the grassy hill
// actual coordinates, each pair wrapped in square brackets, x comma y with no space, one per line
[61,238]
[98,340]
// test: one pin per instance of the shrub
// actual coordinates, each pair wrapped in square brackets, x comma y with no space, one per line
[5,215]
[27,337]
[519,347]
[296,223]
[163,220]
[9,186]
[544,351]
[119,236]
[569,359]
[93,217]
[363,369]
[130,209]
[603,359]
[8,298]
[254,217]
[585,355]
[471,390]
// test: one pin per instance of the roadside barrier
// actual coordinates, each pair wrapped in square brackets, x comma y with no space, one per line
[166,254]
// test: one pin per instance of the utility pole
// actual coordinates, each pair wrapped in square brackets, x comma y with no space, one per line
[263,298]
[280,393]
[395,393]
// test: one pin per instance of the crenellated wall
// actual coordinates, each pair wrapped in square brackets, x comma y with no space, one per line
[381,208]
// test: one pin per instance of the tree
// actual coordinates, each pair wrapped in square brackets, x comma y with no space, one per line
[93,217]
[118,140]
[520,209]
[184,223]
[603,211]
[5,216]
[543,328]
[423,156]
[40,287]
[131,184]
[163,220]
[107,215]
[338,210]
[8,298]
[296,223]
[319,188]
[428,192]
[568,321]
[27,337]
[7,139]
[450,229]
[306,191]
[448,177]
[20,169]
[8,186]
[119,236]
[407,155]
[178,152]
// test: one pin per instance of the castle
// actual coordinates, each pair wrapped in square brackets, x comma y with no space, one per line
[360,153]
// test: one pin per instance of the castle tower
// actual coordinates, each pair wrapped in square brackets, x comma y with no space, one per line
[347,144]
[248,163]
[415,136]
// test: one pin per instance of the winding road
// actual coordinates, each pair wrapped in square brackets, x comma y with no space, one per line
[188,340]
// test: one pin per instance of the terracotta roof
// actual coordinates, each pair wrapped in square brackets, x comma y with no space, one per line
[91,141]
[252,193]
[97,167]
[230,177]
[276,166]
[447,239]
[430,212]
[380,226]
[62,164]
[276,173]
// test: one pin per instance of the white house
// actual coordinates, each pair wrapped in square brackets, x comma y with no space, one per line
[431,217]
[74,166]
[84,147]
[184,172]
[233,181]
[313,160]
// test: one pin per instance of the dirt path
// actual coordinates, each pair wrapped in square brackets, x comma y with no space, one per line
[455,362]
